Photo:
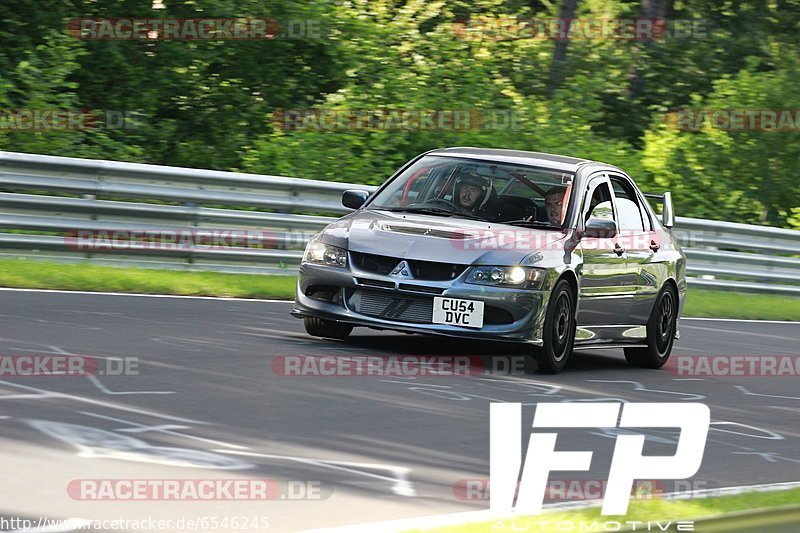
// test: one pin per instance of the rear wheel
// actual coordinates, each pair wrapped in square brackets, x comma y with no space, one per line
[660,333]
[559,330]
[317,327]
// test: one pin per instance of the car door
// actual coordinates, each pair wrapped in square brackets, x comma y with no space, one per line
[639,240]
[604,297]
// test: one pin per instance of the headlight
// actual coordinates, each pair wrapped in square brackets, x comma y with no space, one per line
[516,276]
[324,254]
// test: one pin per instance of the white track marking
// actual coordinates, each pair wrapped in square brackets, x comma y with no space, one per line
[93,443]
[747,333]
[742,320]
[105,390]
[42,393]
[749,393]
[601,400]
[415,383]
[771,457]
[546,389]
[641,388]
[168,429]
[770,435]
[400,483]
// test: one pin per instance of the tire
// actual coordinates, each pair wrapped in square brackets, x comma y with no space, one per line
[559,330]
[661,328]
[317,327]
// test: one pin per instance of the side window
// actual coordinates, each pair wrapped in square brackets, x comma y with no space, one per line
[630,216]
[600,204]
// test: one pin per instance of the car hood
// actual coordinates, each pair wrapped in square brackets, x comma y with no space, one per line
[441,239]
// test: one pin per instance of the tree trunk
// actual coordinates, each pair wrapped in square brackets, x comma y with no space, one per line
[649,9]
[558,66]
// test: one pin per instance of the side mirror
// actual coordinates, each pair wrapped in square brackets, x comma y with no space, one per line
[600,228]
[667,212]
[354,199]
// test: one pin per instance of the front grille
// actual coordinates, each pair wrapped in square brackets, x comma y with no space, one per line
[421,270]
[378,264]
[421,288]
[375,283]
[391,307]
[431,271]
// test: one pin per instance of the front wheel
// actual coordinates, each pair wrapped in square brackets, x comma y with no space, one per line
[559,330]
[660,333]
[318,327]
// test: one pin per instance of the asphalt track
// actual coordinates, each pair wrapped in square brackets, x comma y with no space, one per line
[207,403]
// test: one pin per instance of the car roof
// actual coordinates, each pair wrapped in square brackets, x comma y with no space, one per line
[537,159]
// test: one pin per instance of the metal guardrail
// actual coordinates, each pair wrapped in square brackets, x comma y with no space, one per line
[46,199]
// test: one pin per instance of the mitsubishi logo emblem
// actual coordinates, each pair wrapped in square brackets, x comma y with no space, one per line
[401,269]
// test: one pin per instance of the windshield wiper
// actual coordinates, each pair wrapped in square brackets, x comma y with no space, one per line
[435,211]
[422,210]
[531,224]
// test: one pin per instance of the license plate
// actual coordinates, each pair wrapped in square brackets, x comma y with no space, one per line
[456,312]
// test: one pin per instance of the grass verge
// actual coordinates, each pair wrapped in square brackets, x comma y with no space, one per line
[724,304]
[638,510]
[21,273]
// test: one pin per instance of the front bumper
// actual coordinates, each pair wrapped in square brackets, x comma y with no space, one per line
[515,315]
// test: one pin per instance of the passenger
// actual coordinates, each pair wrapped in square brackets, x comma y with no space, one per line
[554,205]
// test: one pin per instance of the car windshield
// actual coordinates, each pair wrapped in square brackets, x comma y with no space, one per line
[484,190]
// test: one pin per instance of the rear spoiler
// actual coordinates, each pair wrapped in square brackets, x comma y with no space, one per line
[667,211]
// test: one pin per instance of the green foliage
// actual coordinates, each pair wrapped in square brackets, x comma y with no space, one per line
[400,68]
[40,78]
[745,176]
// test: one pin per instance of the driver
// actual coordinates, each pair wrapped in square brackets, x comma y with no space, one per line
[472,192]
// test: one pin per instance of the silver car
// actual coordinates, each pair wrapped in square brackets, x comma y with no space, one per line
[548,250]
